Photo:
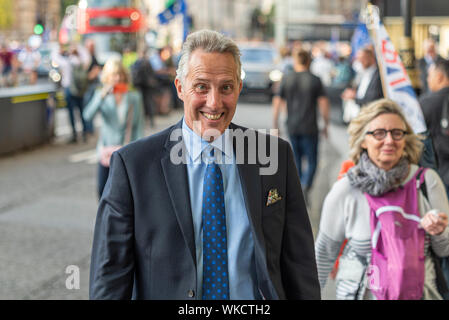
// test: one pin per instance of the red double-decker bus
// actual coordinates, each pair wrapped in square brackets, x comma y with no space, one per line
[113,24]
[92,20]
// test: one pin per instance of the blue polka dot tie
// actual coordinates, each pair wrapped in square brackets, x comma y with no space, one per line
[215,255]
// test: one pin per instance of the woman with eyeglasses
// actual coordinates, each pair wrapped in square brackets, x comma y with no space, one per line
[395,220]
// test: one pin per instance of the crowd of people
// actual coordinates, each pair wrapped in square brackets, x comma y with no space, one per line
[18,64]
[151,76]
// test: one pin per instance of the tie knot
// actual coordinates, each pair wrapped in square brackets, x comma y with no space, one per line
[209,155]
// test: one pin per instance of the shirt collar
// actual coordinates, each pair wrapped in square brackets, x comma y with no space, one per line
[195,145]
[429,59]
[370,70]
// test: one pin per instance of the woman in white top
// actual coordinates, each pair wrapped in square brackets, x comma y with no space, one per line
[385,152]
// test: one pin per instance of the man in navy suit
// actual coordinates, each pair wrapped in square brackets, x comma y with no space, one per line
[163,233]
[370,85]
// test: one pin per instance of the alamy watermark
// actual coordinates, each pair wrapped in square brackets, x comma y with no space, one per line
[373,277]
[242,147]
[72,282]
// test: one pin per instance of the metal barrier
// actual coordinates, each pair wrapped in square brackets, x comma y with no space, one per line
[26,116]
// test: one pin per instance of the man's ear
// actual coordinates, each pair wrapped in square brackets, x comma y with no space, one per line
[179,88]
[240,86]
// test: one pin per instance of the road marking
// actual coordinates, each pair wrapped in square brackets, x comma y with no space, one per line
[89,156]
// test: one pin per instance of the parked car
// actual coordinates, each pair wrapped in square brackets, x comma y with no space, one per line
[260,69]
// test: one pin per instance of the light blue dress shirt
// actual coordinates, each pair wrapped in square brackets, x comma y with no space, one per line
[241,263]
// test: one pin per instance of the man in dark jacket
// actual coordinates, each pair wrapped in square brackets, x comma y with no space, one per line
[370,86]
[171,226]
[429,58]
[433,104]
[304,94]
[143,78]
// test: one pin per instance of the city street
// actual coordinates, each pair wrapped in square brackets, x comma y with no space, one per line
[55,54]
[48,205]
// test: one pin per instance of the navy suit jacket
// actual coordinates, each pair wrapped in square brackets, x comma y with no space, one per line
[144,246]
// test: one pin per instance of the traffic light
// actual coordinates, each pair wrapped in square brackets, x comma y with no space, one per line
[169,3]
[39,26]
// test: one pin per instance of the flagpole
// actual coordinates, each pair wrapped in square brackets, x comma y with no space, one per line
[373,31]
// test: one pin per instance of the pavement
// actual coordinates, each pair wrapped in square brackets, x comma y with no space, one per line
[48,207]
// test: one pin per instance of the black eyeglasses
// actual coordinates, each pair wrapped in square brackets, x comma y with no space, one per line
[380,134]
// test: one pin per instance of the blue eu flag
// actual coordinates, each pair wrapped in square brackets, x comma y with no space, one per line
[360,38]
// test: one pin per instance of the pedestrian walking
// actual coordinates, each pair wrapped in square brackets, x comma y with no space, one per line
[73,65]
[344,74]
[201,228]
[429,58]
[144,79]
[6,66]
[165,75]
[93,78]
[322,65]
[384,206]
[435,106]
[29,60]
[121,112]
[304,95]
[369,87]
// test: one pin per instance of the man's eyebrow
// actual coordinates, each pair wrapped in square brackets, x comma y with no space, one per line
[230,80]
[201,80]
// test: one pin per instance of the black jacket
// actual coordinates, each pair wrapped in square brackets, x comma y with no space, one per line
[432,106]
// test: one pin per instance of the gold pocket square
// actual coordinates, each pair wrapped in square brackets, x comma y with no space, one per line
[273,197]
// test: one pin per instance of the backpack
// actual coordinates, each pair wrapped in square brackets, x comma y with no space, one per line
[79,83]
[396,271]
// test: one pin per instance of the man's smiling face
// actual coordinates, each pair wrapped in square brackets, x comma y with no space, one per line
[210,90]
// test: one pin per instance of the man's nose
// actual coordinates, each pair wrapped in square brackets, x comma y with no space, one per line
[214,99]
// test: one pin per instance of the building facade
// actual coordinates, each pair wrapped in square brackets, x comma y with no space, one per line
[231,17]
[314,20]
[24,14]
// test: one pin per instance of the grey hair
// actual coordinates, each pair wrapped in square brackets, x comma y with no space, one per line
[359,126]
[209,41]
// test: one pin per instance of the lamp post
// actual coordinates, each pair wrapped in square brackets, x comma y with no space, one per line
[406,45]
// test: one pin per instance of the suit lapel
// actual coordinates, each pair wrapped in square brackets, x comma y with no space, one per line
[178,189]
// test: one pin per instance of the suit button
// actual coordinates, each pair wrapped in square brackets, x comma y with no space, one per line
[191,293]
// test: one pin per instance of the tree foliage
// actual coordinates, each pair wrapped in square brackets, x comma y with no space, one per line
[6,14]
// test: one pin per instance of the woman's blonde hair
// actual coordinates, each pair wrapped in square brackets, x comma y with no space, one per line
[114,65]
[359,126]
